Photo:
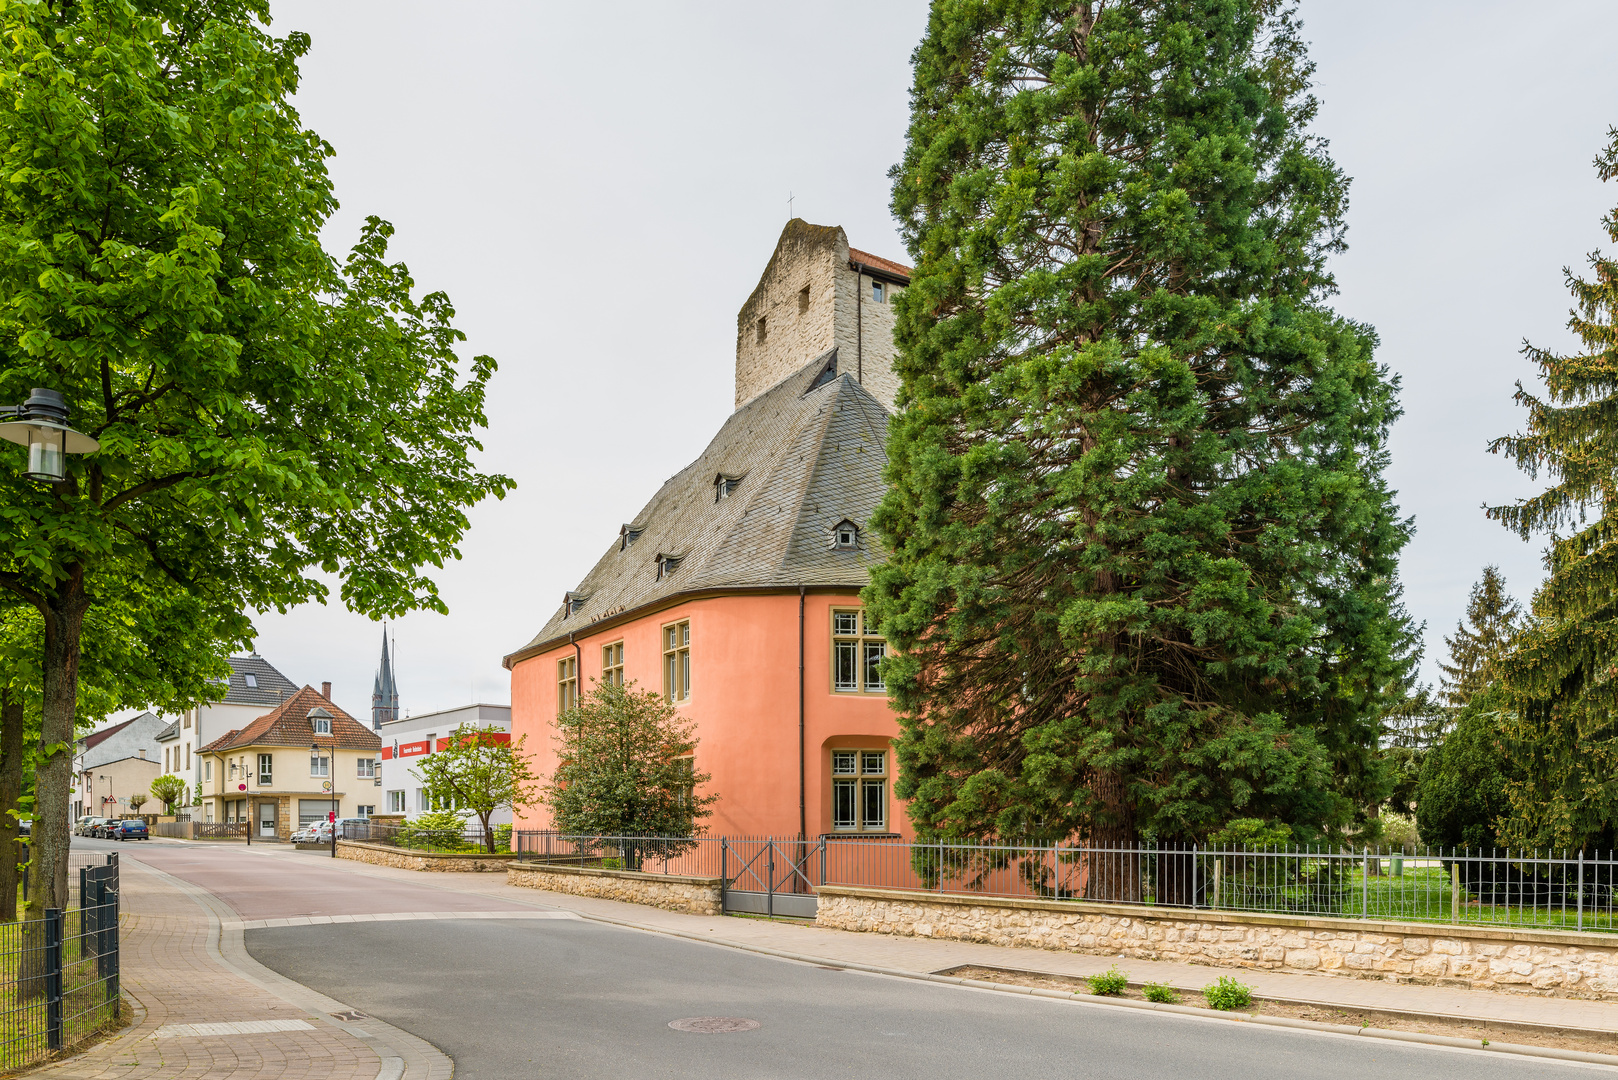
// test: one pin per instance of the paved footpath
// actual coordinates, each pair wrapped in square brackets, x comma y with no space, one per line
[188,906]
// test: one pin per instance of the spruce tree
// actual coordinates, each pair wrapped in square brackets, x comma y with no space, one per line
[1492,618]
[1142,573]
[1561,671]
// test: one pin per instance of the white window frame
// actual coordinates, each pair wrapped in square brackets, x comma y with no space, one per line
[320,766]
[266,770]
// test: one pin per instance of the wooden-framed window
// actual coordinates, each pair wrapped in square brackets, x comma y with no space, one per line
[567,684]
[688,771]
[859,791]
[677,661]
[856,653]
[612,663]
[266,774]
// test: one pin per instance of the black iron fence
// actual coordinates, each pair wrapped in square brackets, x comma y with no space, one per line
[464,838]
[59,972]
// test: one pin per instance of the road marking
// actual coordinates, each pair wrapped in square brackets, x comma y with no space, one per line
[397,916]
[239,1027]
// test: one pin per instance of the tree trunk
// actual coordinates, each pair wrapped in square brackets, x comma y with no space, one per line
[64,621]
[1114,859]
[11,732]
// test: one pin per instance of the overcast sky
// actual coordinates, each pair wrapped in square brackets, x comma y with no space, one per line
[597,187]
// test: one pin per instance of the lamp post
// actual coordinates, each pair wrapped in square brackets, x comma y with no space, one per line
[40,424]
[331,786]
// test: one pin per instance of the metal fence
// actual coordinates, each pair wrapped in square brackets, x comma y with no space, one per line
[778,875]
[468,839]
[59,973]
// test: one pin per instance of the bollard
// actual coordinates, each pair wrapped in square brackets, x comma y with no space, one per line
[53,977]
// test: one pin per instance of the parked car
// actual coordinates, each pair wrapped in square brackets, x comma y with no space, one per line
[316,832]
[86,825]
[103,829]
[129,829]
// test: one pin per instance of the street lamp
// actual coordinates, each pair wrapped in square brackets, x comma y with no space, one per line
[331,785]
[40,424]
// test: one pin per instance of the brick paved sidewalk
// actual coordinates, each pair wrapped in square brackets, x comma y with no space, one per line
[932,955]
[174,974]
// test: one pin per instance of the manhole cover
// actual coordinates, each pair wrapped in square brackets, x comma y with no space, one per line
[711,1025]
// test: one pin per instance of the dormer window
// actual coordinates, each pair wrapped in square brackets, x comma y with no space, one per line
[320,720]
[628,535]
[723,485]
[572,602]
[666,565]
[845,536]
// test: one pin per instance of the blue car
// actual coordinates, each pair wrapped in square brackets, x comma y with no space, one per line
[129,829]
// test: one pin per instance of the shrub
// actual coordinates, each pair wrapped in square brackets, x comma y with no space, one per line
[502,837]
[1161,993]
[440,831]
[1109,983]
[1228,994]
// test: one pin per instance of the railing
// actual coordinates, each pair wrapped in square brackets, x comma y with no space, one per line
[215,830]
[59,973]
[1559,890]
[468,840]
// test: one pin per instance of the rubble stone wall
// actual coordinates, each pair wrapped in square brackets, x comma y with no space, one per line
[692,895]
[405,859]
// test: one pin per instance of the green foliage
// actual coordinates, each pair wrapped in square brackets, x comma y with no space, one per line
[1142,572]
[1463,795]
[168,789]
[1109,983]
[1559,673]
[502,837]
[1252,833]
[270,420]
[1228,994]
[626,767]
[1161,993]
[1492,620]
[479,770]
[441,830]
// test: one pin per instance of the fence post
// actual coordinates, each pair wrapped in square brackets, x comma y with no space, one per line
[113,951]
[823,860]
[1365,883]
[769,882]
[724,871]
[1454,888]
[1581,889]
[53,977]
[1219,869]
[84,901]
[1196,872]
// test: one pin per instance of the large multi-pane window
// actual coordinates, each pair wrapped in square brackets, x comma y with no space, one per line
[612,663]
[369,768]
[265,763]
[567,684]
[859,790]
[677,661]
[319,765]
[856,654]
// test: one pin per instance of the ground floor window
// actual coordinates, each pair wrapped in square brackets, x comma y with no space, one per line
[423,805]
[859,790]
[364,810]
[396,803]
[313,810]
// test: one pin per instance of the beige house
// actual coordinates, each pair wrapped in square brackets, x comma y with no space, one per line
[253,688]
[292,767]
[108,786]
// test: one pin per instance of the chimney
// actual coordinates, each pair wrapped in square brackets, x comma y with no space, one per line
[325,690]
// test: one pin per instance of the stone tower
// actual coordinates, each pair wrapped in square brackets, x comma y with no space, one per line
[384,692]
[817,293]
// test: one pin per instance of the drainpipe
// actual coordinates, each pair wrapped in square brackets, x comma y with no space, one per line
[578,665]
[803,810]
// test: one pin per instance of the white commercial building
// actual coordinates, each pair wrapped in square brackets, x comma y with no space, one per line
[412,737]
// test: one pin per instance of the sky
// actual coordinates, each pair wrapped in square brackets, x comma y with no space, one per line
[598,187]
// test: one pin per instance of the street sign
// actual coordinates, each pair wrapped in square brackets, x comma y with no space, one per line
[241,787]
[325,785]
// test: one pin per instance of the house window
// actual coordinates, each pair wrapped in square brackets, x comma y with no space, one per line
[803,300]
[186,719]
[612,663]
[567,684]
[367,768]
[846,535]
[763,331]
[319,765]
[396,802]
[572,603]
[188,757]
[688,785]
[859,790]
[207,769]
[422,803]
[252,681]
[264,769]
[322,725]
[723,486]
[627,536]
[878,293]
[666,565]
[856,654]
[677,661]
[365,809]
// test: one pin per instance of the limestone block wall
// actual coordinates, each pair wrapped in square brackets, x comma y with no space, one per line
[405,859]
[1546,962]
[692,895]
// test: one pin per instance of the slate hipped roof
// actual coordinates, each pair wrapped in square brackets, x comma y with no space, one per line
[272,689]
[810,454]
[289,725]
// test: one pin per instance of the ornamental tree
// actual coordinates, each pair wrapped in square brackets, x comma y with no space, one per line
[168,789]
[479,770]
[1560,670]
[265,413]
[1142,555]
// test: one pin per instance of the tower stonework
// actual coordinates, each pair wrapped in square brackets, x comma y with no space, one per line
[816,294]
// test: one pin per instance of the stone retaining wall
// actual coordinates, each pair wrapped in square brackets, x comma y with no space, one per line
[692,895]
[406,859]
[1556,963]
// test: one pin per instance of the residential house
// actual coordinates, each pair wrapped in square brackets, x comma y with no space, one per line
[114,763]
[734,592]
[253,687]
[298,763]
[409,738]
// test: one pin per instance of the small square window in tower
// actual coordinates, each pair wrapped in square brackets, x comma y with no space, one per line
[763,331]
[879,293]
[803,300]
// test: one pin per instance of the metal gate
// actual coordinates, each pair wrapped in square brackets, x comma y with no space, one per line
[771,877]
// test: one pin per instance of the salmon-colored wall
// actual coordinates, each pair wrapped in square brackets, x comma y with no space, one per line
[744,699]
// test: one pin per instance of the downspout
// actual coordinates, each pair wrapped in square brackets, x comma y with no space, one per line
[803,810]
[578,665]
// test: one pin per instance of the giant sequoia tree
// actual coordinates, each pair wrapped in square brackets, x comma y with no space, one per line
[1143,559]
[266,415]
[1562,674]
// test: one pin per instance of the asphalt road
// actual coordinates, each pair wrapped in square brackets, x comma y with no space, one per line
[577,999]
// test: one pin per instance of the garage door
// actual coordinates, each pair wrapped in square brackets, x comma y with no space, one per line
[312,810]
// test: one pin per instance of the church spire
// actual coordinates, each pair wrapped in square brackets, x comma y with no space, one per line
[385,691]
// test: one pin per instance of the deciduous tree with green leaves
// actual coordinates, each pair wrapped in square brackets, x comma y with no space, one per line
[1142,556]
[269,419]
[168,789]
[1562,671]
[479,770]
[626,768]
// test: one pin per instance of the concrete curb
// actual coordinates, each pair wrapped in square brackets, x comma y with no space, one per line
[1519,1049]
[404,1056]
